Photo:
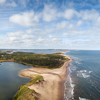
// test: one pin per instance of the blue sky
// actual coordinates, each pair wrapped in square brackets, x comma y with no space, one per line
[50,24]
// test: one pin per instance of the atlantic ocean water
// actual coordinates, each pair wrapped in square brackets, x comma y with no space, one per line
[83,75]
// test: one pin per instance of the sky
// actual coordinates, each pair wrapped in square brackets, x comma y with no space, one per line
[50,24]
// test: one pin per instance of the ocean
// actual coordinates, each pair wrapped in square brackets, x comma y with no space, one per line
[83,75]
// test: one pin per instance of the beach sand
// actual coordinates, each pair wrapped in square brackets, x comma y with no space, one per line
[52,87]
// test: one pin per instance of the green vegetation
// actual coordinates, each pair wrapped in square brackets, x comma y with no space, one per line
[24,93]
[58,53]
[36,60]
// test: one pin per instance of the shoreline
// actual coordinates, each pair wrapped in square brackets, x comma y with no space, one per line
[52,88]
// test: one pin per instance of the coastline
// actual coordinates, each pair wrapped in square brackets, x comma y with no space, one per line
[52,88]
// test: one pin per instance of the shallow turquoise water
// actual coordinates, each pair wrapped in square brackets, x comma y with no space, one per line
[9,79]
[83,76]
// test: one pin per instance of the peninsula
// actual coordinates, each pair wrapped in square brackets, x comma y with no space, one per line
[47,75]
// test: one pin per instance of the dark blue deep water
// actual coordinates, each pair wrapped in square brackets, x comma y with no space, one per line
[83,76]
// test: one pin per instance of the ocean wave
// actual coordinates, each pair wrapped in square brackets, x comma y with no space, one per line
[78,62]
[72,68]
[69,69]
[83,98]
[90,71]
[69,89]
[72,85]
[83,73]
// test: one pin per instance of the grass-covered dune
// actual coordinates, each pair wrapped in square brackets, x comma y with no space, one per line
[36,60]
[24,93]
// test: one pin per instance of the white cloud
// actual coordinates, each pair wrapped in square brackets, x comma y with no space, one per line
[98,19]
[23,39]
[79,23]
[26,19]
[18,38]
[65,34]
[91,32]
[69,13]
[97,22]
[54,39]
[6,3]
[50,36]
[89,14]
[29,31]
[49,13]
[39,40]
[40,31]
[71,26]
[61,25]
[2,1]
[15,34]
[12,4]
[28,36]
[74,32]
[12,38]
[34,31]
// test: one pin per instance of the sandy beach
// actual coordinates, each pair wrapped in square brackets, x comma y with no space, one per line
[52,86]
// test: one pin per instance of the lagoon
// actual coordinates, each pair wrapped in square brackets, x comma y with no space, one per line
[9,79]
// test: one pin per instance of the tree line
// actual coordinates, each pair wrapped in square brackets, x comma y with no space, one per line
[36,60]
